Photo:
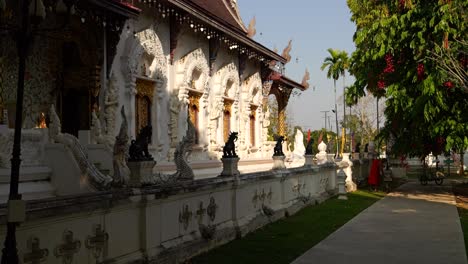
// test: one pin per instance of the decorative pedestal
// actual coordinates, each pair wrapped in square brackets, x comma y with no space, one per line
[140,170]
[321,158]
[230,167]
[350,185]
[278,162]
[309,160]
[341,180]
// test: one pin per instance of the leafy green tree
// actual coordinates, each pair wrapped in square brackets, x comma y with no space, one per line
[426,108]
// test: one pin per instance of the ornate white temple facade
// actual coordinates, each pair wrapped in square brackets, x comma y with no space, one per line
[100,72]
[165,62]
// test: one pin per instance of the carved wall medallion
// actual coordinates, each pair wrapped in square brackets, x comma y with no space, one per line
[212,208]
[323,183]
[255,198]
[68,249]
[269,195]
[262,196]
[298,187]
[98,242]
[36,255]
[185,216]
[200,212]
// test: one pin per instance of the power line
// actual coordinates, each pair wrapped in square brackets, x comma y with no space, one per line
[325,112]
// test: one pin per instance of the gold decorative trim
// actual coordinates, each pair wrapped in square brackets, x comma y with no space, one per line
[194,98]
[145,88]
[228,104]
[253,110]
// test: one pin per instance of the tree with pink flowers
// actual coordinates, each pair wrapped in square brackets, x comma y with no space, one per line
[409,51]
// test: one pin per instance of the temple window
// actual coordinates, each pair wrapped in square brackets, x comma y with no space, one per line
[227,118]
[252,119]
[143,103]
[194,111]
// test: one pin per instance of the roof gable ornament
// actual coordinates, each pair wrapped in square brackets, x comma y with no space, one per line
[251,31]
[286,52]
[273,62]
[305,79]
[234,10]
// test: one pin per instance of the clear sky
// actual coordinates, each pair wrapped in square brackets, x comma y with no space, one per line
[314,26]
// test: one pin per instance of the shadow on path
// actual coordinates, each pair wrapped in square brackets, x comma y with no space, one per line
[414,224]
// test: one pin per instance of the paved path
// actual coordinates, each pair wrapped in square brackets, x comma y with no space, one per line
[415,224]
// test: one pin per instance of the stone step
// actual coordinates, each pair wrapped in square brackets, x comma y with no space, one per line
[29,190]
[27,174]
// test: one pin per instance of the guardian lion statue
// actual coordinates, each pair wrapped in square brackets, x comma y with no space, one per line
[229,150]
[278,150]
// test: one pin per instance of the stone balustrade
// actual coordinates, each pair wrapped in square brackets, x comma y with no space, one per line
[32,146]
[164,223]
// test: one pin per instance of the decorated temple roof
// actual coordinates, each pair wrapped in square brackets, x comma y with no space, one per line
[225,10]
[223,17]
[289,83]
[119,7]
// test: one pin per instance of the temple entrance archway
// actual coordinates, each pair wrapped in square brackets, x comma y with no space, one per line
[74,101]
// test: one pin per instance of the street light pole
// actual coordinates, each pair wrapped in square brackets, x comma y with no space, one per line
[9,252]
[336,119]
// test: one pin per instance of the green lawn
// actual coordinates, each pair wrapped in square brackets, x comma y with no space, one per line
[287,239]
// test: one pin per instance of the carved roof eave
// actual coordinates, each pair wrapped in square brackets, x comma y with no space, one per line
[119,8]
[285,82]
[228,30]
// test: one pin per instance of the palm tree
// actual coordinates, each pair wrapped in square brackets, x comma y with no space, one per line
[332,62]
[343,66]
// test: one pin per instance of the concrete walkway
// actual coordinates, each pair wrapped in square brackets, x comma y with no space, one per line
[415,224]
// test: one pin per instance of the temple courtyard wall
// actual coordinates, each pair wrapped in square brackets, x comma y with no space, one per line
[164,223]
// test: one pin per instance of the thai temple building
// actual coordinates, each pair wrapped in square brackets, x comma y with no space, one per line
[98,75]
[164,62]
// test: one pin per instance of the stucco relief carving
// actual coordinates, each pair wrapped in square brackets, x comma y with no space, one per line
[36,254]
[145,42]
[68,249]
[193,71]
[226,86]
[32,147]
[192,74]
[250,95]
[185,216]
[111,102]
[174,109]
[98,242]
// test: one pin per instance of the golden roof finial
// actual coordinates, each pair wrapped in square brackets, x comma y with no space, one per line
[251,31]
[286,52]
[305,79]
